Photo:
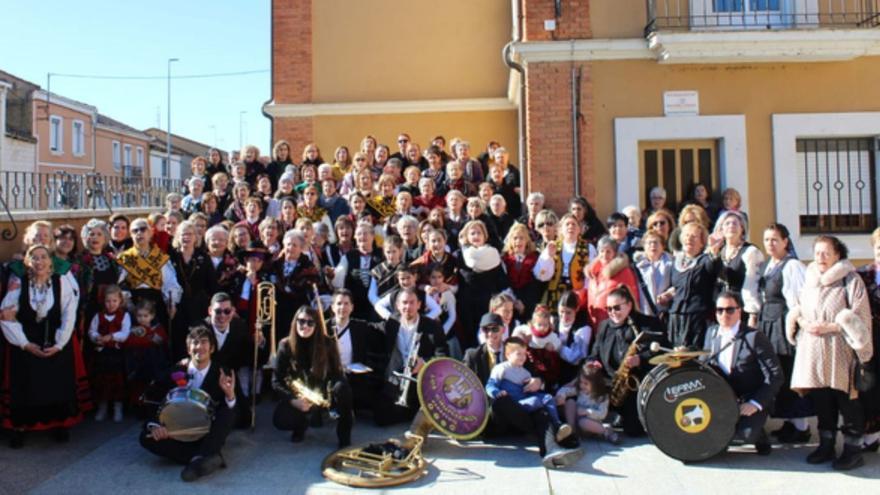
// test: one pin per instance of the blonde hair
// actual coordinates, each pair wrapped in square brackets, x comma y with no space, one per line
[735,194]
[178,233]
[278,146]
[875,237]
[704,232]
[473,224]
[30,233]
[697,211]
[521,229]
[248,147]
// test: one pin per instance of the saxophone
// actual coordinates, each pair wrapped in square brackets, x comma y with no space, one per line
[624,382]
[302,391]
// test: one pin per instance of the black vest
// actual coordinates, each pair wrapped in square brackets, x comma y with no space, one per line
[41,333]
[773,305]
[356,280]
[733,273]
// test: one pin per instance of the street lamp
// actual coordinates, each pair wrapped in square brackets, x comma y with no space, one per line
[240,127]
[167,172]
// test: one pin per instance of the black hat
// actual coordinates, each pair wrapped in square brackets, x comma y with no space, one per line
[491,319]
[254,248]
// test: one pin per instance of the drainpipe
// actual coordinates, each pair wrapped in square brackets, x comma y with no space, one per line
[272,86]
[516,37]
[4,87]
[575,129]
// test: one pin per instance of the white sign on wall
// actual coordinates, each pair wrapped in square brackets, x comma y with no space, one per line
[681,103]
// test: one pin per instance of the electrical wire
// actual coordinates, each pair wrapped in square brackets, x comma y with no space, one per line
[188,76]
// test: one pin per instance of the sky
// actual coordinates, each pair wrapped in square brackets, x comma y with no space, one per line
[127,38]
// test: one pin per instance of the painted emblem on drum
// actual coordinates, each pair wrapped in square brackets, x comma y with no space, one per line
[453,398]
[693,415]
[671,394]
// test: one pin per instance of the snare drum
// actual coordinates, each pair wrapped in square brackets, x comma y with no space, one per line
[187,414]
[689,411]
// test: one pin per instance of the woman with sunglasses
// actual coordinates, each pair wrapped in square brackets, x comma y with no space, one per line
[310,380]
[613,339]
[663,223]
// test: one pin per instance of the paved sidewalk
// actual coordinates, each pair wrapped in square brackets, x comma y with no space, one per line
[106,458]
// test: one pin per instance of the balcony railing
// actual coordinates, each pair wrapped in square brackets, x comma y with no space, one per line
[761,14]
[28,191]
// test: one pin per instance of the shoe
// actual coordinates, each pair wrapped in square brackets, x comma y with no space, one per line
[763,448]
[117,412]
[851,458]
[783,432]
[611,436]
[16,441]
[200,467]
[564,431]
[795,436]
[101,413]
[825,451]
[298,436]
[61,435]
[871,447]
[557,457]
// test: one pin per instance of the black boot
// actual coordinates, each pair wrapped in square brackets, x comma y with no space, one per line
[825,451]
[851,457]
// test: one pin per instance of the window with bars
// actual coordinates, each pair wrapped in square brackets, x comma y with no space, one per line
[676,166]
[836,184]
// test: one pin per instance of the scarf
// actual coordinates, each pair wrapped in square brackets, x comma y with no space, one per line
[146,270]
[481,259]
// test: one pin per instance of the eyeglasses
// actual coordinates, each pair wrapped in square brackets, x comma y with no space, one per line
[401,141]
[612,309]
[729,310]
[546,224]
[222,311]
[658,223]
[138,230]
[305,322]
[360,159]
[492,329]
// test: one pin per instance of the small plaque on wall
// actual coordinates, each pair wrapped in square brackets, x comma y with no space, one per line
[681,103]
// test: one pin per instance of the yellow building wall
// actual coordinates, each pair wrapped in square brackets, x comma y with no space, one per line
[476,127]
[635,89]
[618,18]
[408,49]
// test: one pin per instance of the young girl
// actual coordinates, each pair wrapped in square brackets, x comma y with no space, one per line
[526,271]
[442,293]
[591,402]
[480,277]
[145,352]
[574,336]
[109,330]
[543,346]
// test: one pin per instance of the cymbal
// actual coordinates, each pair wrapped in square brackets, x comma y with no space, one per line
[677,356]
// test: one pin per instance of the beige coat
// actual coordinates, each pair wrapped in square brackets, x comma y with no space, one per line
[827,360]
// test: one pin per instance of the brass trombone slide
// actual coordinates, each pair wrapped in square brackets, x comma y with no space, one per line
[265,316]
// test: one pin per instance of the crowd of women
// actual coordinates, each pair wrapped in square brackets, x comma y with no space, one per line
[92,316]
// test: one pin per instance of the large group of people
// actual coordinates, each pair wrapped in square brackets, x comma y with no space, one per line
[381,261]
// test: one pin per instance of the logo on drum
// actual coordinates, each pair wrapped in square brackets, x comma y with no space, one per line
[692,416]
[671,394]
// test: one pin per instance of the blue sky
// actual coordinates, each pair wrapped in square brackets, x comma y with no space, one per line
[126,38]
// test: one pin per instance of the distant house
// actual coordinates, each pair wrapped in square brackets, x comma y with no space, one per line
[123,148]
[184,149]
[18,145]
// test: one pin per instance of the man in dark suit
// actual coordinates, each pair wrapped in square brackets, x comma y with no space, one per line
[234,349]
[506,414]
[747,361]
[399,343]
[201,457]
[361,350]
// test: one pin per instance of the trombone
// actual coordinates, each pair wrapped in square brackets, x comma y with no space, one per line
[265,316]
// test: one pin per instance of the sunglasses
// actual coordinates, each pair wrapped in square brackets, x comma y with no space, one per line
[401,141]
[616,307]
[729,310]
[138,230]
[360,159]
[304,322]
[548,224]
[661,222]
[223,311]
[492,329]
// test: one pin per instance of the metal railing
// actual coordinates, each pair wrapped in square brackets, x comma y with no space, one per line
[760,14]
[29,191]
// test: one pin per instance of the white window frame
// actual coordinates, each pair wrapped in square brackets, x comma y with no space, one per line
[704,16]
[56,134]
[117,155]
[126,155]
[139,155]
[787,129]
[78,139]
[728,130]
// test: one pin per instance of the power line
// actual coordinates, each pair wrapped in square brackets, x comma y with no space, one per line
[189,76]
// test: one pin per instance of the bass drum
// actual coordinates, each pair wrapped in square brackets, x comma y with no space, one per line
[689,411]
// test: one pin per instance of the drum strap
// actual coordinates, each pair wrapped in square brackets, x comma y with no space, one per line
[740,336]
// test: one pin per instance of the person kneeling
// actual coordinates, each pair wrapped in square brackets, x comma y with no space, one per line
[746,359]
[309,378]
[202,457]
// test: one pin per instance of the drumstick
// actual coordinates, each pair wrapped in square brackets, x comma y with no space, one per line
[195,430]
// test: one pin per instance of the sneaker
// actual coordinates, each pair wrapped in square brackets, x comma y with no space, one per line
[563,432]
[101,413]
[117,412]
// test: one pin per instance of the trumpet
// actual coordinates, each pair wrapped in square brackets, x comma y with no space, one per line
[315,397]
[405,376]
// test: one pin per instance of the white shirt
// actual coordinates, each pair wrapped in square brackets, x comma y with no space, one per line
[197,378]
[221,336]
[13,330]
[405,336]
[120,336]
[343,342]
[725,358]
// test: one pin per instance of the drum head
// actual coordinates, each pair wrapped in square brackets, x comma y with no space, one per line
[690,412]
[452,398]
